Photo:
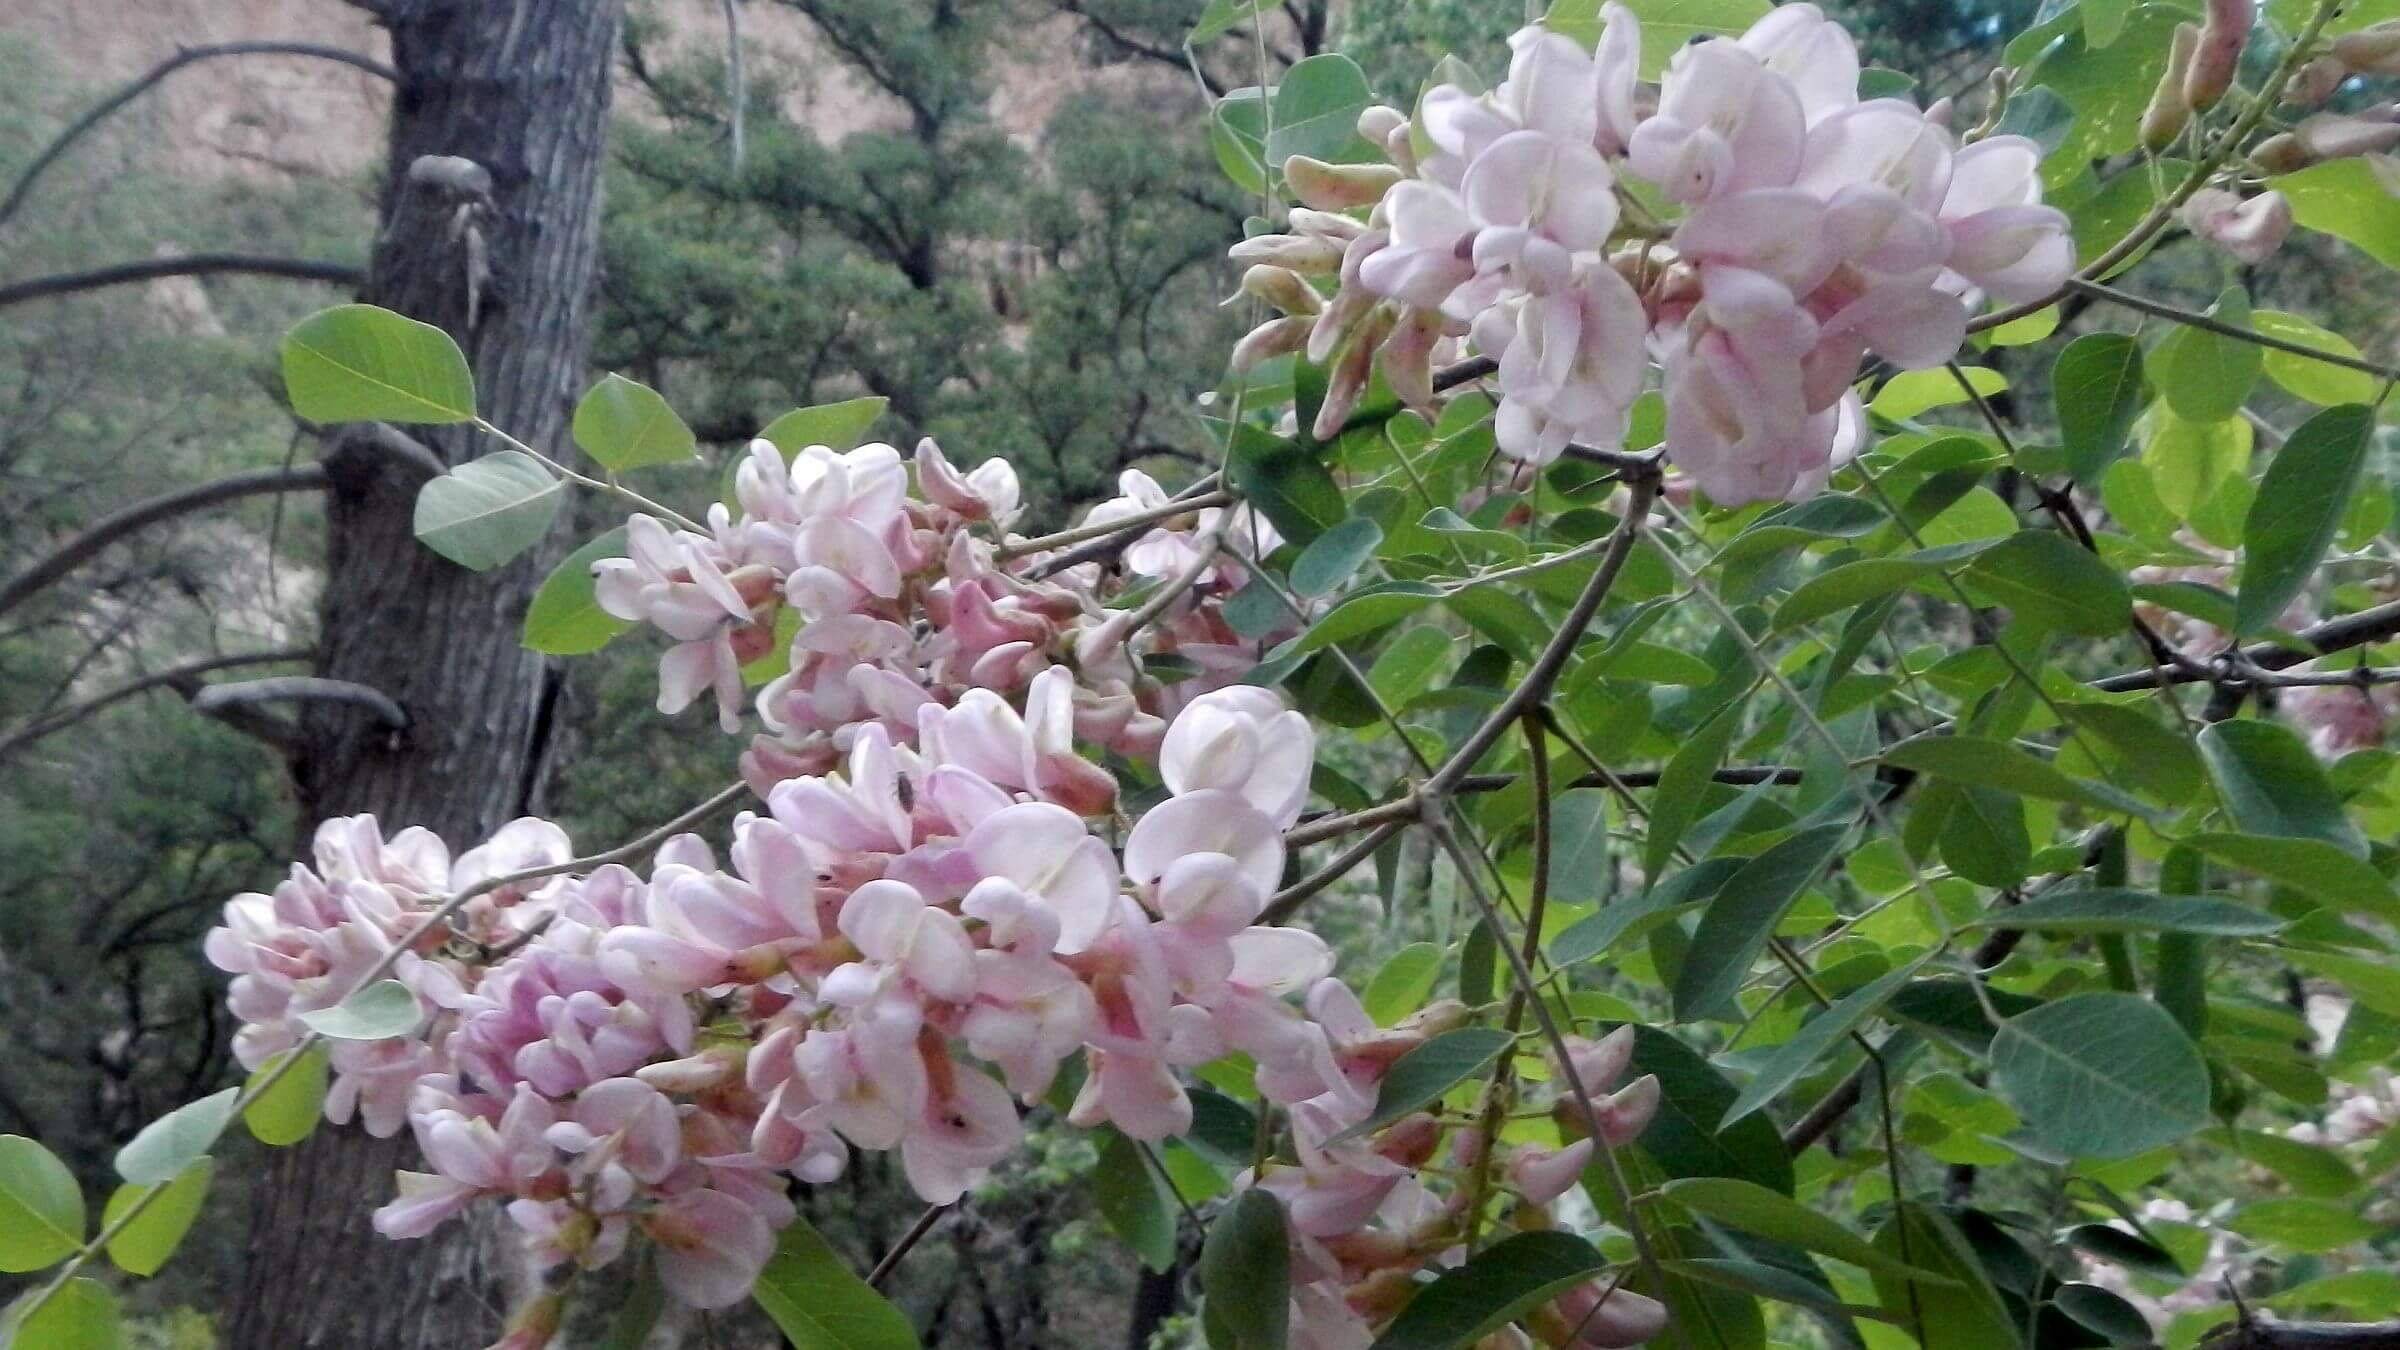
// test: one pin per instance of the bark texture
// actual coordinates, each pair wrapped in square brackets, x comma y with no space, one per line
[520,87]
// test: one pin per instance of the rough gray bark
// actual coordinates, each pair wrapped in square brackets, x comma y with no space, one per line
[520,87]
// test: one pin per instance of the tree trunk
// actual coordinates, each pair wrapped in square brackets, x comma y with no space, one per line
[521,88]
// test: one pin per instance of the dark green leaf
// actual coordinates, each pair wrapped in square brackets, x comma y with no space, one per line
[1736,925]
[820,1305]
[1137,1209]
[1964,1315]
[2045,578]
[1755,1209]
[2272,785]
[1366,610]
[1496,1285]
[2097,383]
[2101,1075]
[1333,556]
[2097,1310]
[1419,1078]
[2310,865]
[1977,762]
[1807,1045]
[2111,910]
[1579,845]
[1677,895]
[2301,500]
[1245,1276]
[1683,786]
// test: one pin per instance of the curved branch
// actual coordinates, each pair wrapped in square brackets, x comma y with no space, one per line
[217,700]
[190,265]
[99,113]
[36,728]
[2333,635]
[67,556]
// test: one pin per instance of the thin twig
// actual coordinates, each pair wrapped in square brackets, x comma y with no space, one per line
[915,1234]
[2195,319]
[50,723]
[166,506]
[134,89]
[188,265]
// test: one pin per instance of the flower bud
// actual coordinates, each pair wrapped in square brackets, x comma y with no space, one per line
[1351,371]
[1597,1064]
[2374,50]
[2280,153]
[1408,359]
[2219,52]
[1283,288]
[2315,82]
[2331,136]
[1381,1294]
[534,1325]
[1326,224]
[1410,1141]
[1625,1113]
[1271,339]
[1311,254]
[1377,123]
[2169,110]
[1544,1174]
[1337,187]
[712,1067]
[2249,230]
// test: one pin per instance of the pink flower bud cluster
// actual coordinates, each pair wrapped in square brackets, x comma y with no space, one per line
[1362,1221]
[1810,229]
[899,602]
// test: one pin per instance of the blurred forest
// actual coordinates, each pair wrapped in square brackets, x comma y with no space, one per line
[1001,215]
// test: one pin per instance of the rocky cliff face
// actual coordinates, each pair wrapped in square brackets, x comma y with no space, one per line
[269,118]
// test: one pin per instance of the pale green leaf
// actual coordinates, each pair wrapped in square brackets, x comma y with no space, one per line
[358,363]
[485,512]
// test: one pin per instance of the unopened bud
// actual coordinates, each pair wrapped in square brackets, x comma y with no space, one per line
[2249,230]
[1273,338]
[1408,360]
[1283,288]
[2315,82]
[2329,136]
[1350,373]
[1410,1141]
[1381,1294]
[1326,224]
[2280,153]
[1377,123]
[1306,253]
[2169,110]
[2374,50]
[1937,113]
[713,1067]
[2219,52]
[533,1325]
[1626,1112]
[1337,187]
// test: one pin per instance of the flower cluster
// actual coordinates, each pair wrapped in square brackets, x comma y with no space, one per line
[1362,1222]
[898,955]
[898,602]
[1807,229]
